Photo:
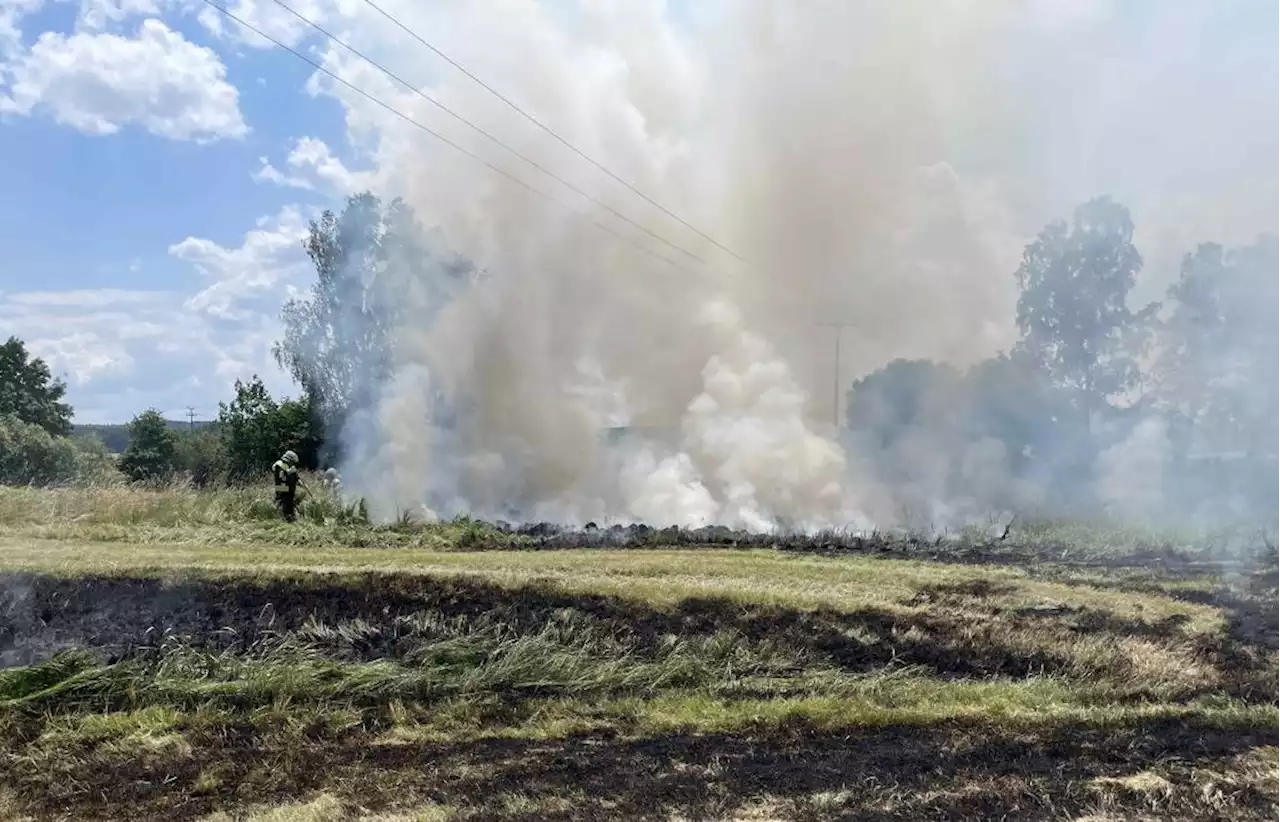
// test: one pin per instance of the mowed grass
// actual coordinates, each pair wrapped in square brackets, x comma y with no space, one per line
[333,670]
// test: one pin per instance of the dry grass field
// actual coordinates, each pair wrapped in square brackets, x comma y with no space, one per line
[177,654]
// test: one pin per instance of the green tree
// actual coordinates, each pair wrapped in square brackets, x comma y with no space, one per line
[255,429]
[94,461]
[28,391]
[152,450]
[1073,315]
[1010,400]
[30,455]
[1216,370]
[296,424]
[249,431]
[338,342]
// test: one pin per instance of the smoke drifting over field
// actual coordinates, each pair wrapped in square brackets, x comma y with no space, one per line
[879,165]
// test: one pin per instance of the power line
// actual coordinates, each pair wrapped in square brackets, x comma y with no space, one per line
[446,140]
[550,131]
[414,89]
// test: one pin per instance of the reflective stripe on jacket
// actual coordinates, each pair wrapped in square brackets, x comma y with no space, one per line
[285,475]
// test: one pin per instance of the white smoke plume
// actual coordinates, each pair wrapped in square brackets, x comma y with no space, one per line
[1131,472]
[877,164]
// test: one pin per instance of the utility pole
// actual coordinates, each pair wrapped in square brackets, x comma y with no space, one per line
[191,418]
[835,372]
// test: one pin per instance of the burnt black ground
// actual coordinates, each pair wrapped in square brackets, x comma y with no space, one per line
[122,616]
[954,770]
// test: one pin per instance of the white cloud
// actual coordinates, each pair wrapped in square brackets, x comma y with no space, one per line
[312,166]
[84,355]
[86,334]
[268,17]
[11,13]
[123,351]
[99,14]
[84,298]
[269,254]
[99,83]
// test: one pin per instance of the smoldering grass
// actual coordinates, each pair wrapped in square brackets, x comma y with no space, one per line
[246,514]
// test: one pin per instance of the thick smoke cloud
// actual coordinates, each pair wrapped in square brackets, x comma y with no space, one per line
[875,164]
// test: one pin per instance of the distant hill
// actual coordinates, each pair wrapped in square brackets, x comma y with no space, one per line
[116,437]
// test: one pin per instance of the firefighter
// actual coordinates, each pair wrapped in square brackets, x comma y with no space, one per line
[285,474]
[332,484]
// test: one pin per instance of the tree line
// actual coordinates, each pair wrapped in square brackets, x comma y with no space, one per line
[1087,369]
[1178,395]
[336,346]
[37,445]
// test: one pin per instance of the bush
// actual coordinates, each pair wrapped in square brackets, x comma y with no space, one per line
[201,456]
[95,463]
[151,455]
[30,455]
[255,430]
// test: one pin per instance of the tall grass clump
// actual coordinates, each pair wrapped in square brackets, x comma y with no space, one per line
[173,503]
[483,662]
[116,503]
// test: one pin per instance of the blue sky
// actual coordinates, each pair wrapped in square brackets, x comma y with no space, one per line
[126,226]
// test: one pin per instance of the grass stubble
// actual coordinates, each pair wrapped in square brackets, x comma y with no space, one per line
[176,654]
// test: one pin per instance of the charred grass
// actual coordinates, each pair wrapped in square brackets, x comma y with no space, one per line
[173,654]
[397,695]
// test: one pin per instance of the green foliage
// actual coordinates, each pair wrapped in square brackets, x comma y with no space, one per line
[930,429]
[338,342]
[1216,377]
[199,453]
[114,437]
[255,430]
[1218,358]
[94,461]
[152,452]
[322,510]
[1072,313]
[29,393]
[250,431]
[1009,400]
[298,430]
[18,683]
[30,455]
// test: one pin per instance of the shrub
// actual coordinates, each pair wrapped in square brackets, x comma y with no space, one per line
[255,430]
[201,456]
[95,464]
[151,455]
[30,455]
